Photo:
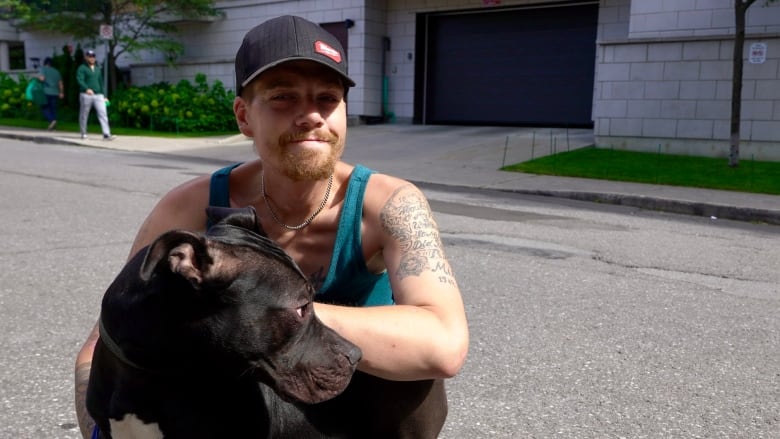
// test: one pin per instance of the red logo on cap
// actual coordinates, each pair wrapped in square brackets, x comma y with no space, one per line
[325,49]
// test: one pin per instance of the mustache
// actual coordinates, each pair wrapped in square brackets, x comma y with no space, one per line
[324,136]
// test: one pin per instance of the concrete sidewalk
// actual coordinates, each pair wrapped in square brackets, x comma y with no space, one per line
[462,157]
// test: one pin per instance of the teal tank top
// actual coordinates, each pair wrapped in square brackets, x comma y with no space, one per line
[348,281]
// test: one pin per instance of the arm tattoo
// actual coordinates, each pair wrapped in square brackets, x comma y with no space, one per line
[82,378]
[408,219]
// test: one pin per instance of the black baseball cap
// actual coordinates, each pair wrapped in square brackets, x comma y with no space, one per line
[90,52]
[287,38]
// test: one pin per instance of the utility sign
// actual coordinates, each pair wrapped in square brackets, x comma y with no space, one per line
[757,53]
[106,32]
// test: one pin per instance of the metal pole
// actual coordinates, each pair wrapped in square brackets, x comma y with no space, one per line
[506,145]
[105,72]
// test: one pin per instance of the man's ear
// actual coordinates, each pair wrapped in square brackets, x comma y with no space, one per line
[241,111]
[180,252]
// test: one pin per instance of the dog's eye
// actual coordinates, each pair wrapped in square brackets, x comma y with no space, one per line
[303,310]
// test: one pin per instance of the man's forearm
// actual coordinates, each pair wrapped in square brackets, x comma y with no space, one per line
[81,381]
[86,424]
[411,343]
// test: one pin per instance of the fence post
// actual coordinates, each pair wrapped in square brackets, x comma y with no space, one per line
[506,144]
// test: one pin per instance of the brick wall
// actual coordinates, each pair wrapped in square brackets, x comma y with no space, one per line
[667,83]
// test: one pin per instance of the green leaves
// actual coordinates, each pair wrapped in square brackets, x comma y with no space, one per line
[12,97]
[184,107]
[137,25]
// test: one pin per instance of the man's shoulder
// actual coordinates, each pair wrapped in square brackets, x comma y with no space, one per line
[381,188]
[186,200]
[383,182]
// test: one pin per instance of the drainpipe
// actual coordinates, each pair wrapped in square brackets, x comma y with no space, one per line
[387,115]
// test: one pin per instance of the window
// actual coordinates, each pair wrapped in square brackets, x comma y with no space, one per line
[16,56]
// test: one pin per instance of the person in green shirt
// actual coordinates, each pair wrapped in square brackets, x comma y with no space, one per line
[53,89]
[90,79]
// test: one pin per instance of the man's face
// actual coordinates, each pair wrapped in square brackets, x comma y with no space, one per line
[297,116]
[90,59]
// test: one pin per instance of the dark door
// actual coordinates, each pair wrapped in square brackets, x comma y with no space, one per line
[339,30]
[532,66]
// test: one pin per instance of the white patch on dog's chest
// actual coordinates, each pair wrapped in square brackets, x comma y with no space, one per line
[130,427]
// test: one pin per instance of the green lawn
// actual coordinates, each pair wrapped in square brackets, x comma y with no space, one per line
[641,167]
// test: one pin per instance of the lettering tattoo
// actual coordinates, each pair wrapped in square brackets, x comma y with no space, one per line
[407,217]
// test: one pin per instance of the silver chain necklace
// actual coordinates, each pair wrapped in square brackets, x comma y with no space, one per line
[305,222]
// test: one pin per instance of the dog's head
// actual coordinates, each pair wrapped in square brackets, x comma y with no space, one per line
[232,300]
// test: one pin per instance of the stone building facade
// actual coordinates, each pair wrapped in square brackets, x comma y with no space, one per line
[664,77]
[645,74]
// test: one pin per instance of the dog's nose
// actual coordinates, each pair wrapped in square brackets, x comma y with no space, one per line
[354,354]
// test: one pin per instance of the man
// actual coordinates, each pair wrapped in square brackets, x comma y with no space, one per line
[91,94]
[53,89]
[362,238]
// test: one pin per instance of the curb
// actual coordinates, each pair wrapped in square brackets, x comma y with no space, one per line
[38,139]
[691,208]
[714,211]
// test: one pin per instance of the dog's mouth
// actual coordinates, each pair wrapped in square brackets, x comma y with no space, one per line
[305,384]
[314,366]
[317,385]
[309,380]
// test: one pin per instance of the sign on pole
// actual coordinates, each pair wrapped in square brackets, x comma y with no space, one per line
[757,53]
[106,32]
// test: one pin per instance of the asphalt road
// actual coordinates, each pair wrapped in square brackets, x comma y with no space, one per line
[587,321]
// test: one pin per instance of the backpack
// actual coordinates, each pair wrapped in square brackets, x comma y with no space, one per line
[34,92]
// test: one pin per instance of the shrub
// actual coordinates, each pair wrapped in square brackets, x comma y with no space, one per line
[12,100]
[184,107]
[12,91]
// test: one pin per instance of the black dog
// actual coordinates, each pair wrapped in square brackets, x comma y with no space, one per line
[213,336]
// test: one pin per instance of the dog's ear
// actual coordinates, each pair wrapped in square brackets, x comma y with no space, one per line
[181,252]
[244,217]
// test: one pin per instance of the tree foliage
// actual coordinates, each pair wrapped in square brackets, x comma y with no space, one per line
[138,25]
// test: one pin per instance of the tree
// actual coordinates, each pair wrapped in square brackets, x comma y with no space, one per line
[137,24]
[740,11]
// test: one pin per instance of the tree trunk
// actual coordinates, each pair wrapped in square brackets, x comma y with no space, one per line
[740,10]
[112,79]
